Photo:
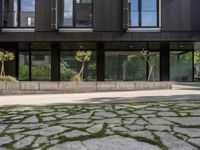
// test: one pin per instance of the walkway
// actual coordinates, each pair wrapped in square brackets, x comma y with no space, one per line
[106,97]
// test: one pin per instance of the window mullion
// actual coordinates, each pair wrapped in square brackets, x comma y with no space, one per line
[74,13]
[140,12]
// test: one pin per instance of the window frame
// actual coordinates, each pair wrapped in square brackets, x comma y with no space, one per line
[140,16]
[19,17]
[74,17]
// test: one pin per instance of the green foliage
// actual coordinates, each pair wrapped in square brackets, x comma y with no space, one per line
[83,56]
[23,72]
[66,72]
[197,56]
[41,72]
[6,55]
[76,78]
[7,78]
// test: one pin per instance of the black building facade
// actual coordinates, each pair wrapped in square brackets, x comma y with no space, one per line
[45,35]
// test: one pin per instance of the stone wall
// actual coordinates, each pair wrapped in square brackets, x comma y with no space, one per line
[32,87]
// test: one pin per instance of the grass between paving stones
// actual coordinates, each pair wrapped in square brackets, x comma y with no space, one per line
[143,139]
[63,139]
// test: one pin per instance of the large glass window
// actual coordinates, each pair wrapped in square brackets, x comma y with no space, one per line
[34,61]
[143,13]
[23,65]
[41,65]
[181,65]
[18,13]
[154,68]
[69,66]
[76,13]
[127,66]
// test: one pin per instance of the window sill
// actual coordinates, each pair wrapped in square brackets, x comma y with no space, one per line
[75,29]
[144,30]
[18,29]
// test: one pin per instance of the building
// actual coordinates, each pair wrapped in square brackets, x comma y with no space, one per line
[45,35]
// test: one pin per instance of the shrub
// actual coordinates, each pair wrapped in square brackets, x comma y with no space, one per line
[7,78]
[76,78]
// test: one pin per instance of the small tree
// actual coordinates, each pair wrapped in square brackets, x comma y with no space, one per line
[82,56]
[4,57]
[145,54]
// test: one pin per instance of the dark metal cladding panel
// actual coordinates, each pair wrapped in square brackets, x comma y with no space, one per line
[1,18]
[171,15]
[125,14]
[43,16]
[195,15]
[107,15]
[186,15]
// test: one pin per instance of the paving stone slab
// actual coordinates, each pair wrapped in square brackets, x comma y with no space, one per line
[24,142]
[96,128]
[117,143]
[195,141]
[47,119]
[188,121]
[143,134]
[2,128]
[105,114]
[173,143]
[109,121]
[46,131]
[158,127]
[74,133]
[167,114]
[81,116]
[134,127]
[191,132]
[32,119]
[69,146]
[5,140]
[158,121]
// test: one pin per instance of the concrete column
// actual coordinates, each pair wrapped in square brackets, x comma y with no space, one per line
[100,62]
[165,62]
[55,62]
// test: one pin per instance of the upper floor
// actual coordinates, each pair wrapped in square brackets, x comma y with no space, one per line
[100,15]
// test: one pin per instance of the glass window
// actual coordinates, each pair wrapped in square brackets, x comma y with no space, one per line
[83,13]
[133,13]
[15,16]
[143,13]
[23,65]
[68,13]
[149,13]
[154,59]
[77,13]
[127,66]
[27,13]
[41,65]
[181,66]
[69,66]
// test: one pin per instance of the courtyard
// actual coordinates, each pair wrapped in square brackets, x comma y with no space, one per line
[173,125]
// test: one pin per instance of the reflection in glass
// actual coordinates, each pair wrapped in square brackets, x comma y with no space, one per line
[69,66]
[83,13]
[24,66]
[14,8]
[154,59]
[181,66]
[27,14]
[10,13]
[68,13]
[41,65]
[76,13]
[133,13]
[143,13]
[149,13]
[127,66]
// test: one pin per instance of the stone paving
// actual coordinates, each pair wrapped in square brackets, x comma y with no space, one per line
[138,126]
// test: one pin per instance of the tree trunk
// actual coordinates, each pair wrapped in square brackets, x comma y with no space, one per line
[2,69]
[81,71]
